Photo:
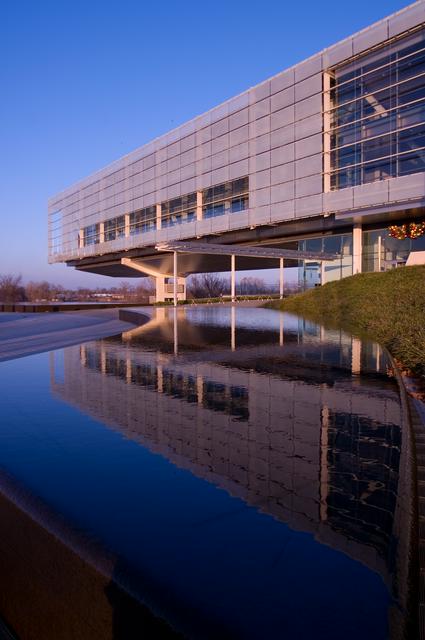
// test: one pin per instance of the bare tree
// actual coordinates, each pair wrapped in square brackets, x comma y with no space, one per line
[145,289]
[207,285]
[250,286]
[11,289]
[38,291]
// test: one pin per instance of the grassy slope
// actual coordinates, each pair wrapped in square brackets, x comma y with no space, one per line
[388,307]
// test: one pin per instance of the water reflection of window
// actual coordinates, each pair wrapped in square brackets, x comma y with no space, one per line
[363,459]
[377,114]
[216,396]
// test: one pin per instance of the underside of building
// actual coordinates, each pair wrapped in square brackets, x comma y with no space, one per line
[320,167]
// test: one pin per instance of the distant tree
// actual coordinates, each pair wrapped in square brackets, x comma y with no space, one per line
[250,286]
[39,291]
[143,290]
[207,285]
[11,289]
[125,290]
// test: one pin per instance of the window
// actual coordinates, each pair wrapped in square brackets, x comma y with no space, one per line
[143,220]
[91,234]
[178,210]
[229,197]
[376,114]
[114,228]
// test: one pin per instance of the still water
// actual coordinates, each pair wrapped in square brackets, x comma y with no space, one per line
[214,473]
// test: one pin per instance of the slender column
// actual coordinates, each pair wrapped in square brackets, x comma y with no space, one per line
[357,248]
[81,239]
[102,360]
[128,370]
[324,471]
[200,389]
[232,280]
[127,225]
[101,232]
[281,330]
[356,353]
[175,279]
[233,328]
[326,132]
[160,378]
[176,335]
[281,278]
[199,205]
[158,217]
[379,253]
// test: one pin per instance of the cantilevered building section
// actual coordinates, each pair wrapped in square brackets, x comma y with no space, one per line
[320,159]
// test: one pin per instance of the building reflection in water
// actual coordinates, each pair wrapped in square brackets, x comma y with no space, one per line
[300,422]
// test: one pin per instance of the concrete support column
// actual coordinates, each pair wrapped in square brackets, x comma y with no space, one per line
[199,205]
[182,283]
[175,278]
[281,278]
[127,225]
[81,239]
[357,248]
[160,288]
[101,232]
[232,277]
[158,217]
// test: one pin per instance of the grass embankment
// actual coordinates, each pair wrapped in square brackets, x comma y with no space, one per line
[387,307]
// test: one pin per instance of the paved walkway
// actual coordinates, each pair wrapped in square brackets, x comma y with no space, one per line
[22,334]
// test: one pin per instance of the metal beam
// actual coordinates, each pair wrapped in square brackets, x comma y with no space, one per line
[247,252]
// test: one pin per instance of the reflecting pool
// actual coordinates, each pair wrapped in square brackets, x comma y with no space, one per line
[213,473]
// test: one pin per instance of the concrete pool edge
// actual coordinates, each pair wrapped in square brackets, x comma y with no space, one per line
[26,336]
[415,430]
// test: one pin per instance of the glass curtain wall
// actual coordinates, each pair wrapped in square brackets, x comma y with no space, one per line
[377,114]
[381,252]
[311,273]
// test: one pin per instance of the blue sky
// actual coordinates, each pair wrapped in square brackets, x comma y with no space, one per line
[86,82]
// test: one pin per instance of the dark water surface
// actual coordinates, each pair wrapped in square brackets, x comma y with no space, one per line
[239,472]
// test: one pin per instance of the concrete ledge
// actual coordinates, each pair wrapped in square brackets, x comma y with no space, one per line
[35,307]
[133,316]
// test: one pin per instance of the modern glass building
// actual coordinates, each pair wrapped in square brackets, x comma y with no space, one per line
[323,157]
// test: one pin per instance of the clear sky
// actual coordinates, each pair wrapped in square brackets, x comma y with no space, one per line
[83,83]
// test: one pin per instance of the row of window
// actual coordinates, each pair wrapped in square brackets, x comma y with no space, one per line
[378,114]
[228,197]
[230,399]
